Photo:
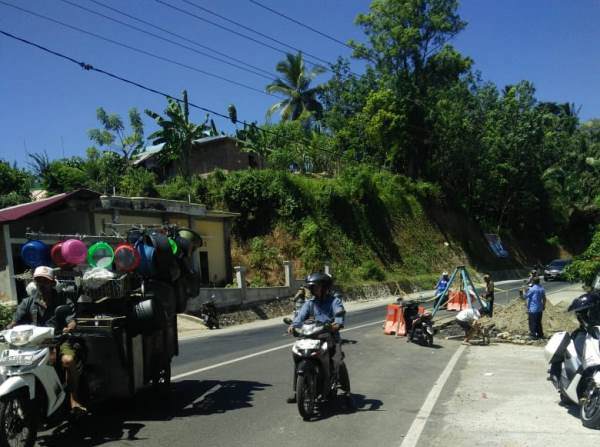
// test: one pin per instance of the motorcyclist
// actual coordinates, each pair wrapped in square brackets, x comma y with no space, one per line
[38,309]
[323,307]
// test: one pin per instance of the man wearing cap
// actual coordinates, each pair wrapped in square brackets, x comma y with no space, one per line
[442,285]
[38,309]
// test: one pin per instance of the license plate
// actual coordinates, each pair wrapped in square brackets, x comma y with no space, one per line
[15,358]
[308,344]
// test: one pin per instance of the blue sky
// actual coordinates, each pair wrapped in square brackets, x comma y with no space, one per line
[48,104]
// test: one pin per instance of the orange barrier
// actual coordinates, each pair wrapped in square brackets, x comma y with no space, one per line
[394,320]
[457,300]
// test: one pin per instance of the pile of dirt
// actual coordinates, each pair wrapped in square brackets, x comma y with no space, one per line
[510,321]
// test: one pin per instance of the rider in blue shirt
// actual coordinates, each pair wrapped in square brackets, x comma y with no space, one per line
[324,307]
[442,284]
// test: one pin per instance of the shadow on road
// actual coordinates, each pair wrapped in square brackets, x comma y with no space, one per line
[361,403]
[122,420]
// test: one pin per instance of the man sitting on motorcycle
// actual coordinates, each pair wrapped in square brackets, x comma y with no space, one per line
[325,308]
[38,309]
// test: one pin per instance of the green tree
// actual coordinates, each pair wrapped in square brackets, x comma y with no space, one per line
[294,86]
[113,131]
[409,51]
[178,133]
[14,185]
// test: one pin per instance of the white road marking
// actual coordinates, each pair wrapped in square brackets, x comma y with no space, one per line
[256,354]
[197,402]
[416,428]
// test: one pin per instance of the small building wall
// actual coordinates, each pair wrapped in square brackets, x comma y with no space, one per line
[212,233]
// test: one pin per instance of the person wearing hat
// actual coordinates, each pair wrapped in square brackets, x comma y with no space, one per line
[442,285]
[38,309]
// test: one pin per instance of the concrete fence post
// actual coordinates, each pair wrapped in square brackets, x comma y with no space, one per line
[326,270]
[289,274]
[240,277]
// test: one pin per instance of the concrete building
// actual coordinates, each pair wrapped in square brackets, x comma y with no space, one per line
[208,154]
[87,212]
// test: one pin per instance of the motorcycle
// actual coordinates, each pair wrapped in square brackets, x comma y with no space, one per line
[318,374]
[422,329]
[209,314]
[32,390]
[575,371]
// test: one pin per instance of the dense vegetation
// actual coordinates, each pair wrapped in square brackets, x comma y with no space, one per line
[420,126]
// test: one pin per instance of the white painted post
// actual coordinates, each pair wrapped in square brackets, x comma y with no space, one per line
[240,277]
[288,270]
[9,265]
[326,270]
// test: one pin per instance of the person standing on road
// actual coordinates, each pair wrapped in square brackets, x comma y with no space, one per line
[489,294]
[442,285]
[536,303]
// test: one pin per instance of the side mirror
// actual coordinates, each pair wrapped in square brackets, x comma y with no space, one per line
[60,317]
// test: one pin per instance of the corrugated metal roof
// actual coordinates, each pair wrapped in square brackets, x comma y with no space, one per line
[151,151]
[17,212]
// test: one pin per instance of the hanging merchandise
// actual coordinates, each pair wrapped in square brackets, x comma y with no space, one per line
[56,255]
[146,267]
[35,253]
[74,251]
[127,258]
[101,255]
[174,247]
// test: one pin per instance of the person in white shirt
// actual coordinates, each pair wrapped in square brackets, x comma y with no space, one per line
[467,319]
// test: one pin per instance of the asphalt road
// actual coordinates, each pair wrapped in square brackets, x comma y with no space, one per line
[228,391]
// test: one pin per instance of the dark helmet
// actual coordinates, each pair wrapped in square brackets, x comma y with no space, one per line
[319,279]
[586,308]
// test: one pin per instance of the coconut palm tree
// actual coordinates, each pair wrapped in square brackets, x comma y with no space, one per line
[294,85]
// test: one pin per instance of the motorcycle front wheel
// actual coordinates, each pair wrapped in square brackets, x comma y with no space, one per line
[306,394]
[18,421]
[590,408]
[429,340]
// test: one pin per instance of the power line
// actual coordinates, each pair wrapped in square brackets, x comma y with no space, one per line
[198,44]
[89,67]
[139,50]
[304,25]
[252,30]
[156,36]
[245,36]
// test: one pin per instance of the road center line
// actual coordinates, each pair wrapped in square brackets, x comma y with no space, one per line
[256,354]
[416,428]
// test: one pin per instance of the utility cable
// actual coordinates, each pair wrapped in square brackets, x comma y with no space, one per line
[252,30]
[245,36]
[193,42]
[139,50]
[304,25]
[89,67]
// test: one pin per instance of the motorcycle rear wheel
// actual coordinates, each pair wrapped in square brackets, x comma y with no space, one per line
[18,421]
[306,395]
[590,409]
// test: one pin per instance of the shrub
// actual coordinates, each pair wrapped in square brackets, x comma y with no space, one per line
[371,271]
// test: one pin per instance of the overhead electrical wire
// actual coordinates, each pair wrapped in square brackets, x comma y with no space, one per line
[156,36]
[139,50]
[179,36]
[245,36]
[89,67]
[252,30]
[297,22]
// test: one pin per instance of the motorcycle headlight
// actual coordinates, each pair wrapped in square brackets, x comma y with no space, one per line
[324,347]
[20,338]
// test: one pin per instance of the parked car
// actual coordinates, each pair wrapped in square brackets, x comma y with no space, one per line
[556,269]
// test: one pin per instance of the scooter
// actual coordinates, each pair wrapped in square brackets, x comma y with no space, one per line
[32,390]
[422,329]
[209,314]
[318,375]
[575,371]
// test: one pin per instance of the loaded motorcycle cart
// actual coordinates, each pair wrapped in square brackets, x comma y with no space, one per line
[126,334]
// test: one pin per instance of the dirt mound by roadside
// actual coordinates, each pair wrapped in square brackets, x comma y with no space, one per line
[512,319]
